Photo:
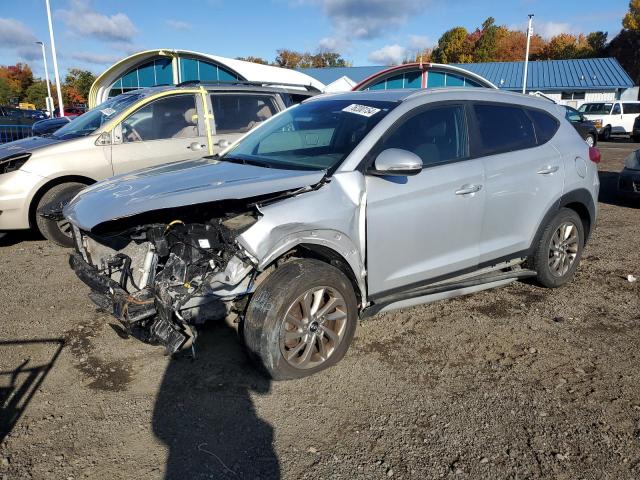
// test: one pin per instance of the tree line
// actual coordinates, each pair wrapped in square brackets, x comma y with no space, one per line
[17,84]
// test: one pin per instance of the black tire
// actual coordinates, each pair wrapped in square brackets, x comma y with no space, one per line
[264,326]
[635,138]
[544,256]
[593,138]
[606,134]
[51,229]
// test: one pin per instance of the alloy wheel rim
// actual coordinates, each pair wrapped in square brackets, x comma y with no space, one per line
[563,249]
[313,327]
[590,141]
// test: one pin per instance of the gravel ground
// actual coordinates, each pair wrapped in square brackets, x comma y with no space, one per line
[519,382]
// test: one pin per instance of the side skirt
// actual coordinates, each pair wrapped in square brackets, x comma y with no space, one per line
[445,291]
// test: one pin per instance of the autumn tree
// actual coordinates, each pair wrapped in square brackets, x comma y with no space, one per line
[454,47]
[77,84]
[631,20]
[292,59]
[253,59]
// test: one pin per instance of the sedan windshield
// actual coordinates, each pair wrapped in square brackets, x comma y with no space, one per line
[596,108]
[317,135]
[89,122]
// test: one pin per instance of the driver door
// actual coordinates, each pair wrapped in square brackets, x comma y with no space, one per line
[165,130]
[425,226]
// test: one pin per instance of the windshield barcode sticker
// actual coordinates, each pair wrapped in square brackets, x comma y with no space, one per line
[107,112]
[361,110]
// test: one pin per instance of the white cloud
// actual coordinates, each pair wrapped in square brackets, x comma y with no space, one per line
[16,36]
[546,29]
[333,44]
[179,25]
[83,20]
[420,42]
[96,58]
[388,55]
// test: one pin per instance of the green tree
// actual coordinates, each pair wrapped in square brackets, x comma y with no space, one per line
[598,43]
[486,46]
[631,20]
[7,93]
[453,47]
[36,94]
[77,84]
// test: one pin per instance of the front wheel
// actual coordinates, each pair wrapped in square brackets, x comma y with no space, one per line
[606,134]
[558,252]
[57,231]
[301,319]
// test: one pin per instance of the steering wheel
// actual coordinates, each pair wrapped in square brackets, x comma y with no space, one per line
[132,135]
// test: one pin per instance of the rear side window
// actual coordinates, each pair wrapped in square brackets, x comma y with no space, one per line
[546,125]
[240,113]
[631,108]
[503,128]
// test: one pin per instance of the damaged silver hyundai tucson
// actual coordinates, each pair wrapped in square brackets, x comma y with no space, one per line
[336,209]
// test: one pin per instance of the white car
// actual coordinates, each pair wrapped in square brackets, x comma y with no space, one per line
[611,118]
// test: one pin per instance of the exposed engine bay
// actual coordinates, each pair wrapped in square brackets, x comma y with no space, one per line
[163,279]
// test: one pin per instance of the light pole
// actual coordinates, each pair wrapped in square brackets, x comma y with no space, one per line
[526,57]
[49,100]
[55,61]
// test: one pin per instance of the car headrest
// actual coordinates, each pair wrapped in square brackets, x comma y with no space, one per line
[191,116]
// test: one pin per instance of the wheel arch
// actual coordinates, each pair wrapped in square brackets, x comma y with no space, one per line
[33,204]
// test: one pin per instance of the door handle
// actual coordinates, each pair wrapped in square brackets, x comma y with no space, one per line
[196,146]
[548,170]
[466,189]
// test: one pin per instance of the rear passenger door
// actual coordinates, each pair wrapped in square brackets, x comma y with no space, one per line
[524,175]
[234,114]
[165,130]
[425,226]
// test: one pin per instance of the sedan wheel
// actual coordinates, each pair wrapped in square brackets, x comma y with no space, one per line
[591,140]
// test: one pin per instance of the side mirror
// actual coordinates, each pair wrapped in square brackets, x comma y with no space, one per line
[395,161]
[222,143]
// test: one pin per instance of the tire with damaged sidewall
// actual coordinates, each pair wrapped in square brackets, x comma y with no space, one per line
[268,306]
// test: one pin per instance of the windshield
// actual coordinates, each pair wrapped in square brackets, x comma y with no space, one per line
[89,122]
[317,135]
[596,108]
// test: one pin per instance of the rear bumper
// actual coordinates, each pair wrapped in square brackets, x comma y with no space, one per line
[629,182]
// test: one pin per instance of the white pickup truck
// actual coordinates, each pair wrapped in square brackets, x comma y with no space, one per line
[611,118]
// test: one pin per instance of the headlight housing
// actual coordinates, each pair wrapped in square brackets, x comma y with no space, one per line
[14,162]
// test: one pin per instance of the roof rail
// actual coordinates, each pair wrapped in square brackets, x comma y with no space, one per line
[540,94]
[309,88]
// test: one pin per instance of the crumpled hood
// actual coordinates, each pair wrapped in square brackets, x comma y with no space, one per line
[180,184]
[30,144]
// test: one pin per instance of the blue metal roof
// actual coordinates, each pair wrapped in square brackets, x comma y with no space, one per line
[546,75]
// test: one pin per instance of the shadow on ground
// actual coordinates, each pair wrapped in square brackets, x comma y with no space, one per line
[205,415]
[19,384]
[18,236]
[609,191]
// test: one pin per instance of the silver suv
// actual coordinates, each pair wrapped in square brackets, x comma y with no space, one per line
[134,130]
[341,207]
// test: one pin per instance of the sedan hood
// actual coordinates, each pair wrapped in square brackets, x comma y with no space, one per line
[180,184]
[26,145]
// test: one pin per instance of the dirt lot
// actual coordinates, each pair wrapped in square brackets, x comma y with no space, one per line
[516,383]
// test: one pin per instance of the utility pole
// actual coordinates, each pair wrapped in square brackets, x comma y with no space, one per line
[526,57]
[48,100]
[55,60]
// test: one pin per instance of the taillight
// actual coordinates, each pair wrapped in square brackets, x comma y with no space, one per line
[594,155]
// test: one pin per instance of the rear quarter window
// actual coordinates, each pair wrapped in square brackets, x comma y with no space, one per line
[545,124]
[503,128]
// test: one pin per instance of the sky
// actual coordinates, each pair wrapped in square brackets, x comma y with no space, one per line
[93,35]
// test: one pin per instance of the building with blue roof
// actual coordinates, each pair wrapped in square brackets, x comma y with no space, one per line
[571,82]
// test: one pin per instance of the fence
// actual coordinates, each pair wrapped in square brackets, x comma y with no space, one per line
[9,133]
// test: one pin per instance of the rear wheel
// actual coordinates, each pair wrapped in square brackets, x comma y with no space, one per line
[301,319]
[559,250]
[57,231]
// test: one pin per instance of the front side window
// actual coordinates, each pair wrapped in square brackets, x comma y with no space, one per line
[596,108]
[616,109]
[436,135]
[503,128]
[234,113]
[573,115]
[317,135]
[175,116]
